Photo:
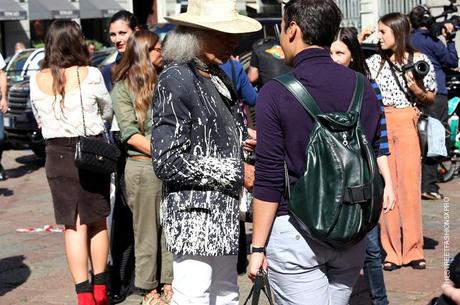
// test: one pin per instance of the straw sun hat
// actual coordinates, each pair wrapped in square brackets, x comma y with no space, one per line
[218,15]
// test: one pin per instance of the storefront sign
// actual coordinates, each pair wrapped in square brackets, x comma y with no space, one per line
[65,14]
[13,15]
[107,13]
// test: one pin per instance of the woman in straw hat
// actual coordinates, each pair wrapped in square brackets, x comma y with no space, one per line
[197,152]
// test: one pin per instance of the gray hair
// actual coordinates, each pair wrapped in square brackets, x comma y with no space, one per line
[183,44]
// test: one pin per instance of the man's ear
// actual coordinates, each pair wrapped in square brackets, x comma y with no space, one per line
[292,30]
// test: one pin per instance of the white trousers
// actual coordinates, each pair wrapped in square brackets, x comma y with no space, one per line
[303,272]
[205,280]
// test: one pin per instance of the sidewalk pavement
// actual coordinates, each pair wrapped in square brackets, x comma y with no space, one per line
[33,269]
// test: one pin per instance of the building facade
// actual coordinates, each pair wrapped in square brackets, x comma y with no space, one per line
[26,21]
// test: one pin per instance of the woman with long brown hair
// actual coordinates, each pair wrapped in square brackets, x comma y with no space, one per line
[135,78]
[64,91]
[402,89]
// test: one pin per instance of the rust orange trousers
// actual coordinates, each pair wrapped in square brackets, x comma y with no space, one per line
[405,165]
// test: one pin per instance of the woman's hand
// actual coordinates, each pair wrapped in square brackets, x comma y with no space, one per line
[389,198]
[416,87]
[3,105]
[365,33]
[248,176]
[256,261]
[412,83]
[250,143]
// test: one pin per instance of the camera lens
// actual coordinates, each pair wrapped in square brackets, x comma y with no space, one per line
[421,68]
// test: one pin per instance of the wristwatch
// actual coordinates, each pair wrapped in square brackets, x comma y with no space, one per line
[253,249]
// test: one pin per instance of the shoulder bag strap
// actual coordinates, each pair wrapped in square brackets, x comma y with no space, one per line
[81,102]
[105,131]
[358,93]
[393,72]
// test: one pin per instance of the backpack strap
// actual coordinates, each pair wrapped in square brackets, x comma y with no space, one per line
[300,92]
[308,102]
[357,99]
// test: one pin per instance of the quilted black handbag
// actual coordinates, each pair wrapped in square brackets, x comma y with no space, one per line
[95,154]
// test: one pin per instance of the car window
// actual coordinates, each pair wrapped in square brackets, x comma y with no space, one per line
[100,56]
[16,66]
[110,58]
[162,29]
[35,63]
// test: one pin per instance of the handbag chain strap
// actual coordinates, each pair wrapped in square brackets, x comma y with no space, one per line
[81,102]
[83,111]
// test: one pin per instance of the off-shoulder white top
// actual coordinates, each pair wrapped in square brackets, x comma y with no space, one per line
[56,123]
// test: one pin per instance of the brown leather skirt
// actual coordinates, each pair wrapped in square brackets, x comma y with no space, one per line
[74,191]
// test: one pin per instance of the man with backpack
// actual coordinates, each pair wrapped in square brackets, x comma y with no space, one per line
[308,233]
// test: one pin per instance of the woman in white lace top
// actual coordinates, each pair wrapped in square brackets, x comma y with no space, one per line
[64,87]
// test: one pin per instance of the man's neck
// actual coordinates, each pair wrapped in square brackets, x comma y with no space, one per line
[305,47]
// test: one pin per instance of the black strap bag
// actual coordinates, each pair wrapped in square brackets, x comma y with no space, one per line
[95,154]
[260,284]
[338,199]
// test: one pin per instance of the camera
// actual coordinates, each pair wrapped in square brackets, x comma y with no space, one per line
[436,27]
[420,68]
[454,276]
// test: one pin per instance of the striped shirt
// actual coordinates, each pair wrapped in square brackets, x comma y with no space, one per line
[383,140]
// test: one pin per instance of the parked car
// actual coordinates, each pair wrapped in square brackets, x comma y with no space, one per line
[103,57]
[20,125]
[23,64]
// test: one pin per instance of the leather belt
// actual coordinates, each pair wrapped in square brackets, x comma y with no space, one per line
[140,158]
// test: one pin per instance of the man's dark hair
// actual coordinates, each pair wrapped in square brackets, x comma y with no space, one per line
[420,16]
[319,20]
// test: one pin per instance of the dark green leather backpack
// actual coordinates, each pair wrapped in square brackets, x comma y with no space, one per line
[339,197]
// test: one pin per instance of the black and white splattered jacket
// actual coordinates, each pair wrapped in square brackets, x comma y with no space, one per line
[196,151]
